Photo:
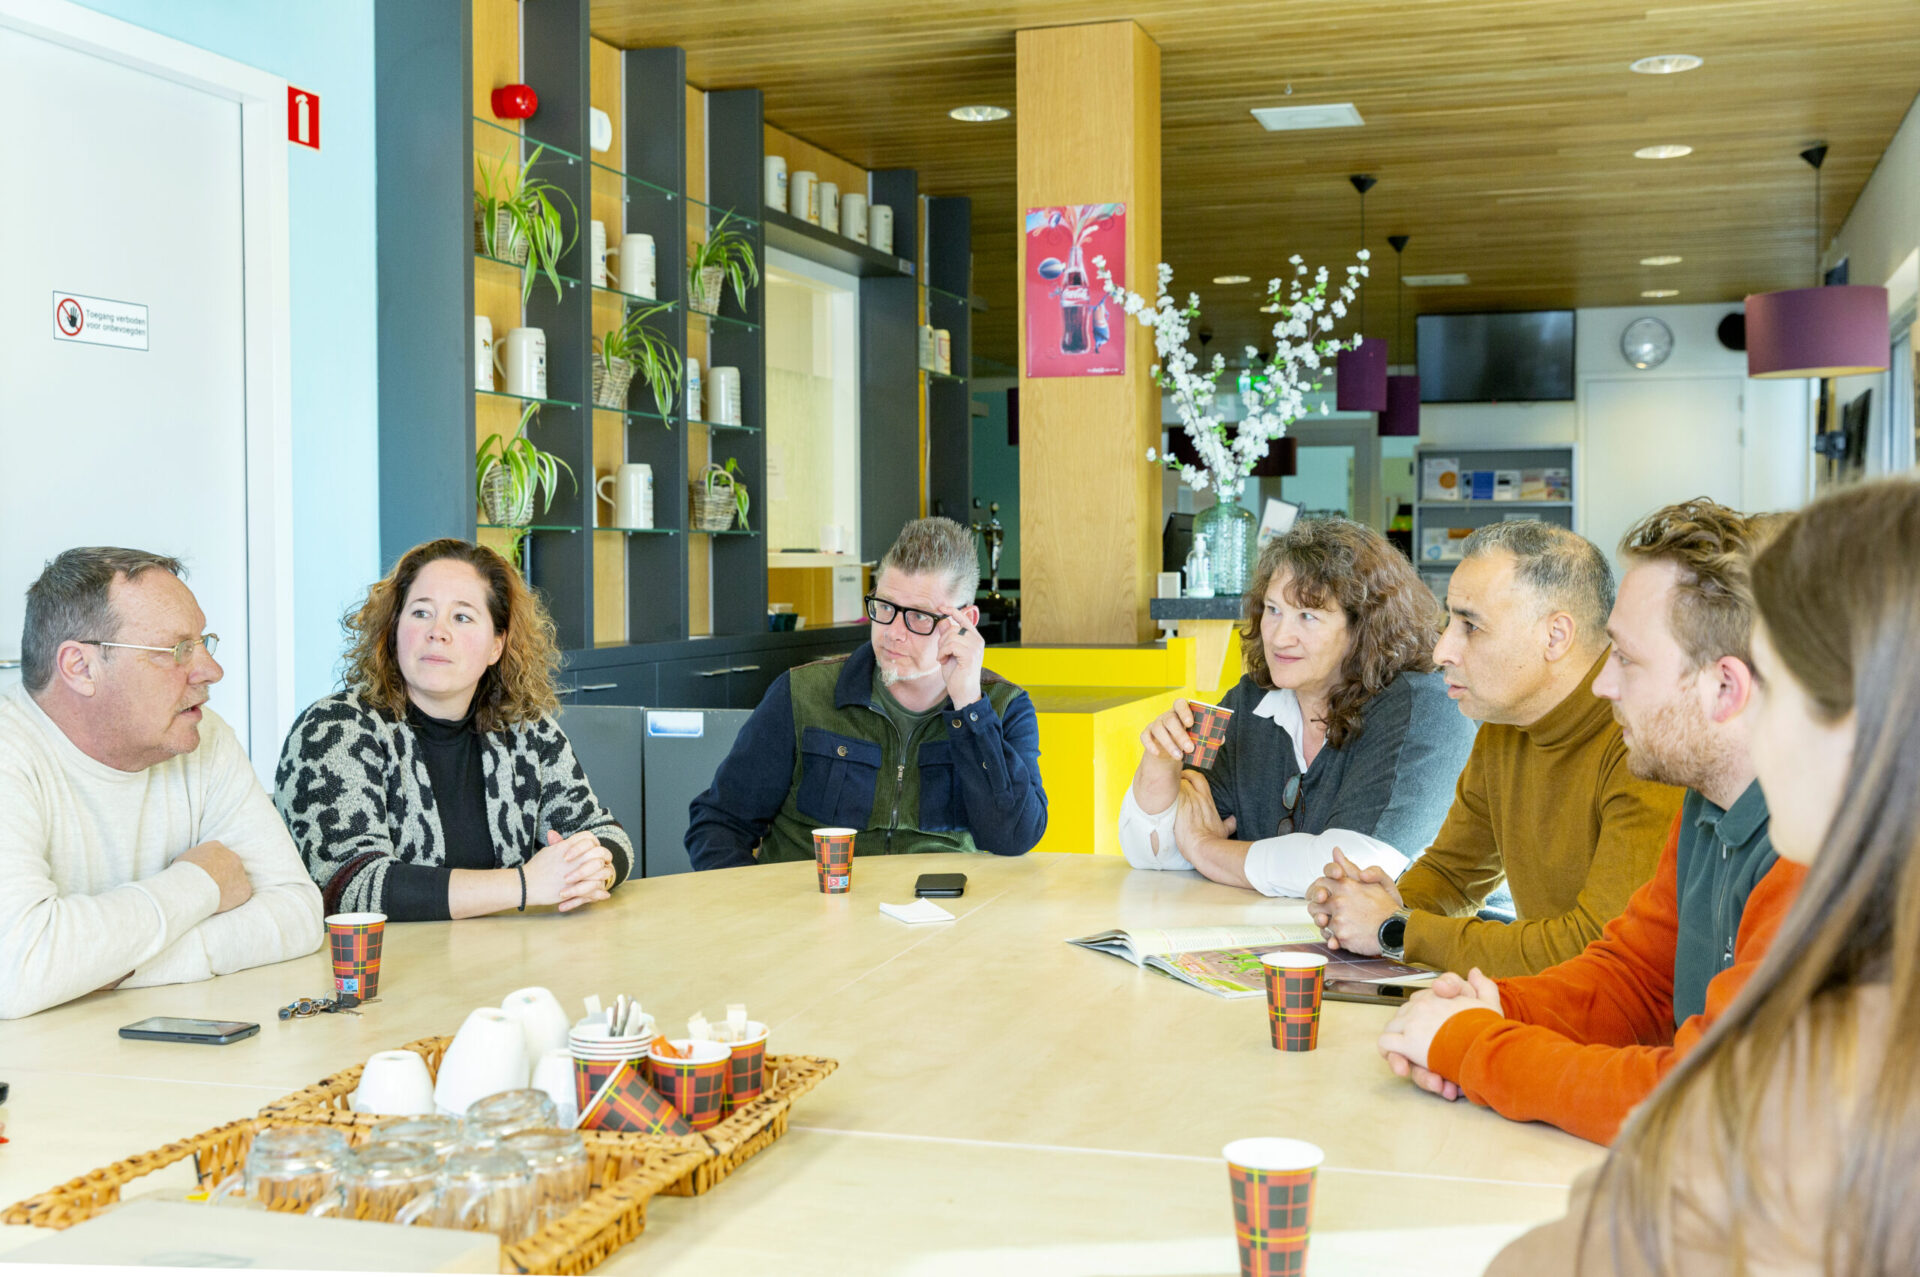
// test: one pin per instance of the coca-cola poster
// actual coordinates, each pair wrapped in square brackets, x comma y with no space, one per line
[1073,328]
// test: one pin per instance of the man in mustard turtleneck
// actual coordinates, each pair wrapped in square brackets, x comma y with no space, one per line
[1546,800]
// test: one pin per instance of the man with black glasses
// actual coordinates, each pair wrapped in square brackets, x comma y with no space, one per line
[907,740]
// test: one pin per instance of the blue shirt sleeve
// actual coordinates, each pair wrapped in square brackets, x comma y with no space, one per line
[735,812]
[997,762]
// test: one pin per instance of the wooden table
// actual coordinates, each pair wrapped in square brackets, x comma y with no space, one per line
[1005,1102]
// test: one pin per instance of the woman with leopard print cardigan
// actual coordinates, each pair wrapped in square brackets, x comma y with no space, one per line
[438,784]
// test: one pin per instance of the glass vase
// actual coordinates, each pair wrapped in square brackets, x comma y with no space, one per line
[1229,530]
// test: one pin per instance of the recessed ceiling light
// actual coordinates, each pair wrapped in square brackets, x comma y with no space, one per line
[1436,281]
[1659,292]
[1664,259]
[979,114]
[1233,279]
[1665,64]
[1667,152]
[1331,115]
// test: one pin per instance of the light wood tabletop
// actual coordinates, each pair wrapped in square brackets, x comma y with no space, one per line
[1005,1102]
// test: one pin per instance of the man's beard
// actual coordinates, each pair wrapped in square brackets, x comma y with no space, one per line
[1674,747]
[891,673]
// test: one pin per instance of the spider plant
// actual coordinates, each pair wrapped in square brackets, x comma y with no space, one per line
[532,215]
[651,354]
[730,477]
[510,477]
[729,252]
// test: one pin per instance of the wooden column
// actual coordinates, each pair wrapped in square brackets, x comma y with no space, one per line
[1089,128]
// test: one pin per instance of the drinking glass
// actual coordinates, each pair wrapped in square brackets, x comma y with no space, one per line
[562,1172]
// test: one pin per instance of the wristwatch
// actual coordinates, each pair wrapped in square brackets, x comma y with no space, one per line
[1393,936]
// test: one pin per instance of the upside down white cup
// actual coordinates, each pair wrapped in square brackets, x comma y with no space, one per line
[395,1084]
[541,1018]
[487,1056]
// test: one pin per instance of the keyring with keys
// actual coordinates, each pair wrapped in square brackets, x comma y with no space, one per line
[302,1008]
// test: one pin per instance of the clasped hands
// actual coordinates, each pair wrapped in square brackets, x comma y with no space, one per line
[569,872]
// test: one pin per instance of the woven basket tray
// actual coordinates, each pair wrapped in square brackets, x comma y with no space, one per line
[624,1177]
[725,1147]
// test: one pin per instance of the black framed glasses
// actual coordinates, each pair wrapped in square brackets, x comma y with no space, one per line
[182,651]
[881,612]
[1291,797]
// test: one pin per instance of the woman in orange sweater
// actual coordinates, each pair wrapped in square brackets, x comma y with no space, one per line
[1786,1141]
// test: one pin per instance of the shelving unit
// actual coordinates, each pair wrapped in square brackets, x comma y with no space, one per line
[1466,513]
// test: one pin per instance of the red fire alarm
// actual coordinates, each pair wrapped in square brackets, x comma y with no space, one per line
[515,101]
[303,117]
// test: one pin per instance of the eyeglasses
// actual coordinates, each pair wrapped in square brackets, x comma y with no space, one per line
[1291,797]
[182,651]
[881,612]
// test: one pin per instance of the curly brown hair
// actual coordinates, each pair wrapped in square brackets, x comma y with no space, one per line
[515,689]
[1393,618]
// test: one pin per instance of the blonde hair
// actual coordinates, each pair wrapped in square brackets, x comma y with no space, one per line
[1712,548]
[517,688]
[936,547]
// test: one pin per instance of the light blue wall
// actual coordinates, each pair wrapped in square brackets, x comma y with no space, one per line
[325,46]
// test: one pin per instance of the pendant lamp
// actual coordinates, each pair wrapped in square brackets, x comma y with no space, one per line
[1360,374]
[1402,416]
[1835,331]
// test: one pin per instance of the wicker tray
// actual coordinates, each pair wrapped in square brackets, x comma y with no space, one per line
[727,1146]
[624,1177]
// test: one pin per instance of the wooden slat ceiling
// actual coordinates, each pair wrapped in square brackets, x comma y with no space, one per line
[1501,131]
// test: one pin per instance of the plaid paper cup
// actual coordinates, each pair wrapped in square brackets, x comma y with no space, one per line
[1272,1185]
[627,1102]
[697,1085]
[1294,986]
[833,859]
[354,940]
[1209,732]
[747,1070]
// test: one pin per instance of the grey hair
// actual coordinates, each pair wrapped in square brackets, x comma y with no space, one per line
[1565,571]
[69,601]
[936,546]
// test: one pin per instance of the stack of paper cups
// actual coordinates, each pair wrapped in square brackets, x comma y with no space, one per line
[724,395]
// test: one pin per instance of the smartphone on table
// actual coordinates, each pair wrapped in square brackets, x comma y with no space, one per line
[162,1028]
[940,885]
[1386,995]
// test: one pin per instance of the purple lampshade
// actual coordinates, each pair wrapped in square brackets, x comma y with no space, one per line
[1362,378]
[1402,416]
[1835,331]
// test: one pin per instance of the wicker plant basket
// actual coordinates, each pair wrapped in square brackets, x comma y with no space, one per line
[610,383]
[704,288]
[712,511]
[497,500]
[507,245]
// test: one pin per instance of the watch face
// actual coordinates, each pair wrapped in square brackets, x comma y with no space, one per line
[1646,343]
[1393,933]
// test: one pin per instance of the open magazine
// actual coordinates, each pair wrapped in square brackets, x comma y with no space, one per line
[1225,961]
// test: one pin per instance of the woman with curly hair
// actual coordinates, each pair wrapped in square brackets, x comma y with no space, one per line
[1342,734]
[436,784]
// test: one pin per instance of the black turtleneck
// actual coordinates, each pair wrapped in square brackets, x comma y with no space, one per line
[451,750]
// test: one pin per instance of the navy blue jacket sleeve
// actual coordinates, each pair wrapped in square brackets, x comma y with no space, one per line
[735,812]
[997,762]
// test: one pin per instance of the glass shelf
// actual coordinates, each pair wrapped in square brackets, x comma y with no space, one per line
[638,412]
[730,532]
[942,293]
[940,376]
[726,320]
[634,297]
[669,194]
[723,425]
[540,277]
[531,527]
[663,532]
[524,140]
[551,403]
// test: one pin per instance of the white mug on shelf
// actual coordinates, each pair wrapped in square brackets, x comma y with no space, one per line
[599,129]
[776,194]
[632,497]
[853,216]
[527,363]
[880,227]
[693,388]
[943,350]
[800,196]
[597,253]
[635,273]
[830,538]
[482,353]
[828,195]
[723,395]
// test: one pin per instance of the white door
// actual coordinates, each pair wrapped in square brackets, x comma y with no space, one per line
[1653,441]
[136,196]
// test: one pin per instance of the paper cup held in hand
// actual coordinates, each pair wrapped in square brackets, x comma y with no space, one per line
[1295,982]
[1272,1185]
[833,859]
[1209,732]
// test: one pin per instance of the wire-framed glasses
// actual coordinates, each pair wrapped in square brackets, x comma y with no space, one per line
[182,651]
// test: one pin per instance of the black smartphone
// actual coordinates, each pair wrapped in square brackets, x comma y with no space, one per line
[162,1028]
[940,885]
[1387,995]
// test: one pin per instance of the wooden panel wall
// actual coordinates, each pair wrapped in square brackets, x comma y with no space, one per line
[802,154]
[496,288]
[1089,132]
[699,548]
[609,428]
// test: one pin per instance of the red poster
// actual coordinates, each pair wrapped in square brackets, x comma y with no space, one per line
[1073,328]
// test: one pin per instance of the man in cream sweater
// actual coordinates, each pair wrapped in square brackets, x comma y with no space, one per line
[138,847]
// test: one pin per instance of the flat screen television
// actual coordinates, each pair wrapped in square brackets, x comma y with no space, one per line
[1512,356]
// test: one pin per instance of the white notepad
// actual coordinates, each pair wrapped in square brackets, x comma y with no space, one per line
[919,911]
